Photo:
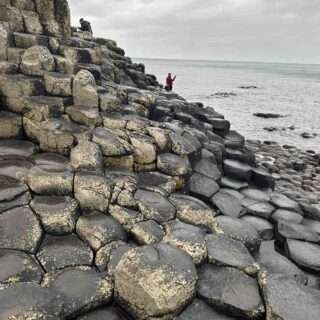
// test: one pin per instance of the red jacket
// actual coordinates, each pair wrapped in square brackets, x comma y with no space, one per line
[170,81]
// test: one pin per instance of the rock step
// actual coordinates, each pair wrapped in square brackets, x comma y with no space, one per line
[25,40]
[81,55]
[18,85]
[10,125]
[7,67]
[92,68]
[15,54]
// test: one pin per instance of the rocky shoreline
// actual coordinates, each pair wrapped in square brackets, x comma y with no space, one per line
[119,200]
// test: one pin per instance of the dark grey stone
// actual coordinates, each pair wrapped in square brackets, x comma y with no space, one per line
[202,186]
[230,291]
[173,165]
[208,169]
[99,229]
[107,313]
[29,300]
[224,251]
[20,230]
[304,254]
[82,290]
[283,202]
[199,310]
[58,252]
[286,215]
[17,266]
[155,206]
[240,230]
[287,299]
[272,261]
[263,227]
[227,204]
[237,170]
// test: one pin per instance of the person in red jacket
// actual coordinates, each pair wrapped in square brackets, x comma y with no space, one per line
[169,82]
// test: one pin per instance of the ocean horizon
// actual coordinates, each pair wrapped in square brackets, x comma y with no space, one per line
[238,89]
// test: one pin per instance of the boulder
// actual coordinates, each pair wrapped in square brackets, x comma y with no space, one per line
[29,300]
[202,187]
[256,194]
[17,266]
[85,90]
[240,230]
[36,61]
[60,135]
[144,150]
[188,238]
[110,144]
[59,252]
[10,125]
[157,182]
[4,40]
[83,115]
[15,167]
[147,232]
[161,138]
[263,227]
[155,206]
[99,230]
[183,146]
[17,148]
[287,215]
[58,84]
[199,310]
[92,191]
[20,230]
[50,180]
[273,262]
[287,299]
[227,182]
[304,254]
[238,170]
[31,22]
[224,251]
[231,291]
[289,230]
[126,217]
[283,202]
[108,257]
[259,209]
[160,266]
[86,156]
[110,313]
[194,211]
[82,290]
[173,165]
[58,214]
[208,169]
[227,204]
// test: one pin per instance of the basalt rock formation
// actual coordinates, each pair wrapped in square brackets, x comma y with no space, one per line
[119,200]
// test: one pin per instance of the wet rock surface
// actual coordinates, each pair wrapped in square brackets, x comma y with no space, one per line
[119,200]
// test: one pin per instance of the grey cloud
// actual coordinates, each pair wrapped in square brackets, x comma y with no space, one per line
[268,30]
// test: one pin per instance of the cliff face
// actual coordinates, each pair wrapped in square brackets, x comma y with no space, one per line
[119,199]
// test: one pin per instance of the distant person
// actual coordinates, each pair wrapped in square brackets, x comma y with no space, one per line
[85,25]
[169,82]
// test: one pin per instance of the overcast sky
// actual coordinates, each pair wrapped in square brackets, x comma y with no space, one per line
[256,30]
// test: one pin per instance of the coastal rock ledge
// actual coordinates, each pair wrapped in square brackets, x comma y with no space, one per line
[119,200]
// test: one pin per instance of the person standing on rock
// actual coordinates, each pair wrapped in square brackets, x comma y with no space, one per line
[85,25]
[169,82]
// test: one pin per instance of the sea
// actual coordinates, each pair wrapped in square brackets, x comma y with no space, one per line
[238,90]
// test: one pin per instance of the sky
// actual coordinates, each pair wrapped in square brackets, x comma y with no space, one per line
[238,30]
